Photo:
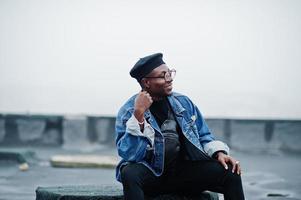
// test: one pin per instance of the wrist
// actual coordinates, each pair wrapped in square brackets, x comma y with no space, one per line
[218,153]
[138,112]
[139,116]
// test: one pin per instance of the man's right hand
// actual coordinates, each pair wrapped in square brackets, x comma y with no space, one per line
[142,102]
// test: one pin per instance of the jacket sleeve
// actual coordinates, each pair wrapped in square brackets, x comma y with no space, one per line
[130,141]
[206,138]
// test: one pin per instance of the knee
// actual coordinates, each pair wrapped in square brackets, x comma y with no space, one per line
[126,174]
[129,175]
[233,178]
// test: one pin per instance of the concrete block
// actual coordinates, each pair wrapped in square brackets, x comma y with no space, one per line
[101,130]
[217,127]
[13,156]
[30,129]
[2,129]
[18,156]
[107,192]
[248,135]
[108,130]
[101,127]
[53,131]
[287,136]
[87,161]
[75,132]
[51,137]
[11,130]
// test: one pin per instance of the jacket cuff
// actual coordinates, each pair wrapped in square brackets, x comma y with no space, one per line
[133,128]
[211,147]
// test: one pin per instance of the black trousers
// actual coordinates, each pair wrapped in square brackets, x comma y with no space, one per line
[189,177]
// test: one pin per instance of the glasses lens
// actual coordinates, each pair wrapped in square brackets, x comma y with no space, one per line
[173,73]
[170,75]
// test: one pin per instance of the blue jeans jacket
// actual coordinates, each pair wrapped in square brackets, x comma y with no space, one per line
[148,148]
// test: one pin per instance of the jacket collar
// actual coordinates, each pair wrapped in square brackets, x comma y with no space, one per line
[176,105]
[147,114]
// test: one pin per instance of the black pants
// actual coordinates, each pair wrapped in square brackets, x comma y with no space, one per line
[189,177]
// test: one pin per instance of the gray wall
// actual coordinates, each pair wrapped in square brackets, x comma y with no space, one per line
[80,131]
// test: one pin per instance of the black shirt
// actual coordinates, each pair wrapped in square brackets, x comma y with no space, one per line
[164,116]
[159,110]
[176,144]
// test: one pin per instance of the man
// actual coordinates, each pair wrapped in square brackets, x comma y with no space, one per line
[166,145]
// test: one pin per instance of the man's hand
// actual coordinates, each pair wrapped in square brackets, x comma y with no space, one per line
[224,159]
[142,102]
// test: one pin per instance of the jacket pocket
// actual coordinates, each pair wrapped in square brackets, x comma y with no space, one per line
[192,128]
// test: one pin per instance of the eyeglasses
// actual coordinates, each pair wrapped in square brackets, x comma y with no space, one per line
[168,75]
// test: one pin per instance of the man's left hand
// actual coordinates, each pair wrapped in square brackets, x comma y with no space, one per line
[224,159]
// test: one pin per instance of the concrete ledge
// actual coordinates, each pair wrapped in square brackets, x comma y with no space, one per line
[19,157]
[104,192]
[87,161]
[14,156]
[71,132]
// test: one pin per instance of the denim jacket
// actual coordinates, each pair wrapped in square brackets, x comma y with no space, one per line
[147,147]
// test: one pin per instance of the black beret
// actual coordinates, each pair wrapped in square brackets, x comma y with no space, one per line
[145,65]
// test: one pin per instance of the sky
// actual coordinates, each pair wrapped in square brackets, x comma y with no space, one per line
[234,59]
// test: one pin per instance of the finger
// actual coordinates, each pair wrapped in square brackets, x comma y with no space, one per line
[238,169]
[148,96]
[234,165]
[222,161]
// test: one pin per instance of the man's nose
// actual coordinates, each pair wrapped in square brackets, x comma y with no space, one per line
[169,80]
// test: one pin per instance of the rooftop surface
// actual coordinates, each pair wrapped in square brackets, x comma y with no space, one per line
[265,176]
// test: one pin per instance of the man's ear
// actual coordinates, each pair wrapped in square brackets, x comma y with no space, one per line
[144,83]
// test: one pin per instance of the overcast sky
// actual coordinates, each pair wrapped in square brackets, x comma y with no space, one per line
[233,58]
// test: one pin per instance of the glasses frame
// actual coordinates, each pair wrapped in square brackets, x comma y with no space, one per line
[167,75]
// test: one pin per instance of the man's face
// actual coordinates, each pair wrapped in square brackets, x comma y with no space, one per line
[156,83]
